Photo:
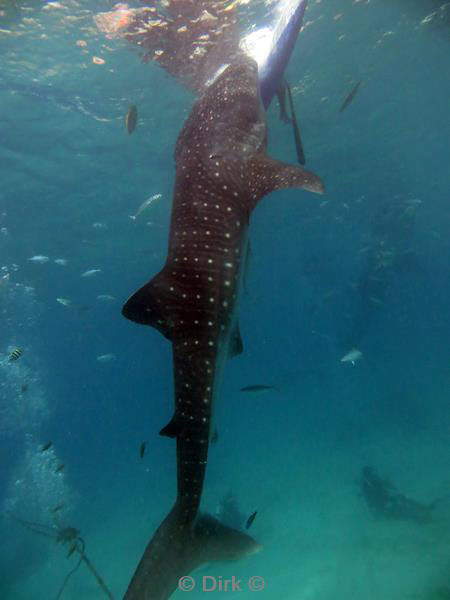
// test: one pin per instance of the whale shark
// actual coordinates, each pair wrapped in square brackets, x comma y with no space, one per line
[222,172]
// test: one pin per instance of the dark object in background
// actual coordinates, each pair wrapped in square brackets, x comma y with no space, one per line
[281,97]
[131,118]
[258,387]
[228,512]
[66,535]
[142,449]
[384,500]
[251,519]
[297,139]
[388,257]
[46,446]
[350,97]
[215,436]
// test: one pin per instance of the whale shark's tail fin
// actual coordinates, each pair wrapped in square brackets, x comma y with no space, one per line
[178,547]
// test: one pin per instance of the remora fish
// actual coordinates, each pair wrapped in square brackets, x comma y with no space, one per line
[222,171]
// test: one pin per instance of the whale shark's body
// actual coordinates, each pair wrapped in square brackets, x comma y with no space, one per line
[222,171]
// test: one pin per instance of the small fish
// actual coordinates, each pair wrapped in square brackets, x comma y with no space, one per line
[46,446]
[105,297]
[145,205]
[58,507]
[258,388]
[64,301]
[91,272]
[352,357]
[59,468]
[104,358]
[15,354]
[60,261]
[251,519]
[131,118]
[350,97]
[39,258]
[98,225]
[4,280]
[142,449]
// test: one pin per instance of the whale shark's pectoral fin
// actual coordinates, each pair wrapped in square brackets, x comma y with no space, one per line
[236,346]
[148,306]
[267,175]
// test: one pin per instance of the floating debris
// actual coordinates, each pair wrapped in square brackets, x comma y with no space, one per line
[251,519]
[131,118]
[145,205]
[15,354]
[91,272]
[352,357]
[39,258]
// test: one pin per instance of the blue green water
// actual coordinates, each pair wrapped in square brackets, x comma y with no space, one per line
[70,178]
